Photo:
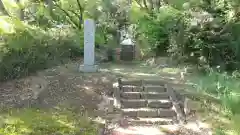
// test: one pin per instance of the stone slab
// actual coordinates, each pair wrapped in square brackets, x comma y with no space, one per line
[134,103]
[89,42]
[131,82]
[154,89]
[150,121]
[148,113]
[151,95]
[159,104]
[132,89]
[88,68]
[131,95]
[169,113]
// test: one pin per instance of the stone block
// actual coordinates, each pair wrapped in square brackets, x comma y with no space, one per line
[166,113]
[147,113]
[131,95]
[134,103]
[151,95]
[159,89]
[159,104]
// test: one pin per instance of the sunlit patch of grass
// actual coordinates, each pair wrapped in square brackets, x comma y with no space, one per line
[219,122]
[224,88]
[171,70]
[236,123]
[38,122]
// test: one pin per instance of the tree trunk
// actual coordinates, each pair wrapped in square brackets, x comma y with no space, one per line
[139,3]
[151,4]
[71,20]
[145,4]
[3,9]
[158,4]
[50,6]
[81,14]
[21,11]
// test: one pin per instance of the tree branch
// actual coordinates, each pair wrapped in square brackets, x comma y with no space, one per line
[81,12]
[3,9]
[76,25]
[50,6]
[145,4]
[21,10]
[158,4]
[151,4]
[80,6]
[139,3]
[74,13]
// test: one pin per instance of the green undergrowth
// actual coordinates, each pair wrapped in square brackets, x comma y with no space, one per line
[225,88]
[26,48]
[39,122]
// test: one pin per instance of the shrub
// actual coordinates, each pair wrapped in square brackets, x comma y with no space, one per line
[202,33]
[155,28]
[29,49]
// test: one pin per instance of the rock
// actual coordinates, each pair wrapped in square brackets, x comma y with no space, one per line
[191,106]
[106,104]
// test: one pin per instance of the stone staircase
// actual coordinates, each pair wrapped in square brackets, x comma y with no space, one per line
[148,102]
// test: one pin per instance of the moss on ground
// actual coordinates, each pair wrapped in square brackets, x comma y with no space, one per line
[38,122]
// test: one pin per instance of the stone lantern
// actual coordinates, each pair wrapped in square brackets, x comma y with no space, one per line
[127,50]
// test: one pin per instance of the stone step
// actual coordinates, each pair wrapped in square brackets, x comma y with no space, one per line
[144,95]
[150,121]
[138,130]
[140,103]
[131,82]
[131,95]
[142,82]
[132,88]
[134,103]
[148,112]
[165,104]
[153,82]
[154,88]
[147,88]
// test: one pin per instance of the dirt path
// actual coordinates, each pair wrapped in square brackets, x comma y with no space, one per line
[56,86]
[64,85]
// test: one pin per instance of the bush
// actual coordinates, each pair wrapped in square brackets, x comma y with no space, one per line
[29,49]
[155,28]
[201,33]
[224,87]
[205,43]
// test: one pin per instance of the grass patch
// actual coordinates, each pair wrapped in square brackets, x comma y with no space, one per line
[225,88]
[39,122]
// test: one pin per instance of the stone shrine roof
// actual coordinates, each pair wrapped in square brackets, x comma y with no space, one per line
[127,41]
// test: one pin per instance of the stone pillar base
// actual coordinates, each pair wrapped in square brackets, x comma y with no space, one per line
[88,68]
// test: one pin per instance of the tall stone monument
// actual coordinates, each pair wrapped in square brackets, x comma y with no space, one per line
[89,47]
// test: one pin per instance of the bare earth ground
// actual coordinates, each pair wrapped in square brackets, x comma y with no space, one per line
[64,85]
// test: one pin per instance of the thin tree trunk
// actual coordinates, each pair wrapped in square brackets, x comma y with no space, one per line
[3,9]
[139,3]
[165,2]
[50,6]
[71,20]
[158,4]
[81,14]
[151,4]
[145,4]
[21,11]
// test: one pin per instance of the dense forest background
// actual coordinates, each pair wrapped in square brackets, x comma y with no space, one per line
[201,32]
